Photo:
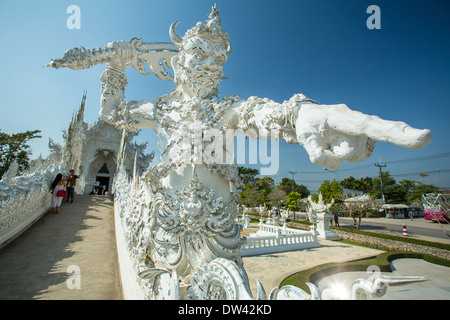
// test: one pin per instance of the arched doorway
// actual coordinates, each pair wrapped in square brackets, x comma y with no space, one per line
[103,168]
[103,177]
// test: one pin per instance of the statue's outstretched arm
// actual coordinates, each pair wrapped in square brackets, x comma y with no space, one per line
[118,56]
[329,133]
[266,118]
[334,133]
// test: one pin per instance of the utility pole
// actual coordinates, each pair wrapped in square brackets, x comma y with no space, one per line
[293,173]
[379,165]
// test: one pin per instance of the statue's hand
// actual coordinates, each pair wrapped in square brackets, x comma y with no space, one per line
[334,133]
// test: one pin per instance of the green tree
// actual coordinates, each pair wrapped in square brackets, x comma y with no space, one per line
[15,147]
[415,195]
[330,190]
[293,201]
[262,199]
[277,197]
[408,185]
[393,192]
[361,184]
[265,183]
[248,175]
[250,196]
[287,184]
[405,191]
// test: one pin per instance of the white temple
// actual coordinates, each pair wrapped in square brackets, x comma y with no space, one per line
[92,151]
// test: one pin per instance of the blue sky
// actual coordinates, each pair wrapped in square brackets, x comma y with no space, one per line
[320,48]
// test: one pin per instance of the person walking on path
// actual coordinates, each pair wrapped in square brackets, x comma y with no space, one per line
[58,185]
[71,181]
[336,220]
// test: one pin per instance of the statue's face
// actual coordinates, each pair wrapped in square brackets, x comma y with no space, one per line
[200,66]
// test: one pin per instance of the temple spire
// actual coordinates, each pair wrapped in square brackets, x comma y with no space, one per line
[80,113]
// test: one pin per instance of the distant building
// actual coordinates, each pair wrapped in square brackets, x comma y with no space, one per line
[93,152]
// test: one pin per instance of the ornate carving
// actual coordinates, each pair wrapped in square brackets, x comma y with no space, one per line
[219,280]
[23,197]
[113,80]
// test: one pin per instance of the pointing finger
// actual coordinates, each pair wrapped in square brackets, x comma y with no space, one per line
[342,119]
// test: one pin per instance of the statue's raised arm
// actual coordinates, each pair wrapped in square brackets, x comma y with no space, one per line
[118,56]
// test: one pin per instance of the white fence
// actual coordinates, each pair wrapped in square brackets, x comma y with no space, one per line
[272,238]
[24,199]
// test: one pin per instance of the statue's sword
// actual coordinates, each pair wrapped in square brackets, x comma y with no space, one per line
[133,53]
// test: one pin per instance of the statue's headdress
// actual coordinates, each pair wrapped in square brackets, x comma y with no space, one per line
[211,29]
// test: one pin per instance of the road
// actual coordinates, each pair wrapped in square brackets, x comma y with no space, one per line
[417,228]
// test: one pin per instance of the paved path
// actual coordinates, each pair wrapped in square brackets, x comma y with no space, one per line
[81,237]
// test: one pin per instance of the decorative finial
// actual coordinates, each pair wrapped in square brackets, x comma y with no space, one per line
[214,12]
[211,29]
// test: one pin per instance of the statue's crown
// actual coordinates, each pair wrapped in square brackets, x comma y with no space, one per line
[212,29]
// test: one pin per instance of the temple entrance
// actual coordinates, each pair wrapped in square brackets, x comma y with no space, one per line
[103,177]
[104,181]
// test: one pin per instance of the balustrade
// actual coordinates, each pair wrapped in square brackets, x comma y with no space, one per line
[24,199]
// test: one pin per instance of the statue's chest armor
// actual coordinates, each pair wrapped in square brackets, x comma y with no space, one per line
[190,127]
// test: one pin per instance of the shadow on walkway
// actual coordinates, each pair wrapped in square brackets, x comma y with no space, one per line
[81,237]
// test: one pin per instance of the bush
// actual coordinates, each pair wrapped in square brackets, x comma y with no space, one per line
[374,214]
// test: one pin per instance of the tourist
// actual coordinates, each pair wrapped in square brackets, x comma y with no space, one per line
[71,182]
[57,191]
[336,220]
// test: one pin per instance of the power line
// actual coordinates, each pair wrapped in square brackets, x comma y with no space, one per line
[309,181]
[293,174]
[418,173]
[429,157]
[392,175]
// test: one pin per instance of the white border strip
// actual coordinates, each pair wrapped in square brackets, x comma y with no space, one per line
[15,231]
[131,289]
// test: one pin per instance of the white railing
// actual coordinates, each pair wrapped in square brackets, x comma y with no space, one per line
[268,228]
[24,199]
[270,241]
[272,238]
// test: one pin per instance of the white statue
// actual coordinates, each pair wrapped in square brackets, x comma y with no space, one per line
[321,217]
[186,220]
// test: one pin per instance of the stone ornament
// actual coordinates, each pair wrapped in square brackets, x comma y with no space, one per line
[321,218]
